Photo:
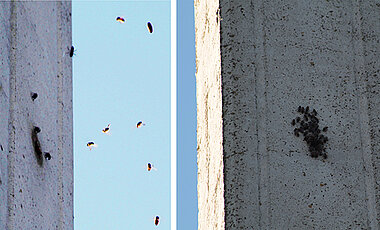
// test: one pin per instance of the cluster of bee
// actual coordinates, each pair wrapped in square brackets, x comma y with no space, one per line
[308,126]
[37,146]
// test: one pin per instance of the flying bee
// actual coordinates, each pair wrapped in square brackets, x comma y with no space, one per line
[106,130]
[91,145]
[156,220]
[120,19]
[139,124]
[150,167]
[150,27]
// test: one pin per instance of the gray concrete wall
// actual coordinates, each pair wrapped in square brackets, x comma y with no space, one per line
[35,38]
[275,56]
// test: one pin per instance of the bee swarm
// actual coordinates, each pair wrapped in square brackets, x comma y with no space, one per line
[308,126]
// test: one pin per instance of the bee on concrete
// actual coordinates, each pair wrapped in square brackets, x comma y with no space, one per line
[106,130]
[33,96]
[296,132]
[306,132]
[37,129]
[91,144]
[305,117]
[120,19]
[302,110]
[325,129]
[314,112]
[37,144]
[293,122]
[307,109]
[298,119]
[139,124]
[307,138]
[72,51]
[47,156]
[150,27]
[314,154]
[314,120]
[156,220]
[301,130]
[299,109]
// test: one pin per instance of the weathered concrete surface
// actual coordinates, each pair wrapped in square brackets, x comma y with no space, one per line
[34,42]
[209,117]
[275,56]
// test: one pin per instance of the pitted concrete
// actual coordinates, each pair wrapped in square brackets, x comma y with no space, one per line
[275,56]
[35,42]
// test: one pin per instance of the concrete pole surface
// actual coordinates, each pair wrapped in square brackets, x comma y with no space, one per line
[35,38]
[256,64]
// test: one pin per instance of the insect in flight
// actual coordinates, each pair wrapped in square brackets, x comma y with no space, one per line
[150,27]
[150,167]
[106,130]
[156,220]
[91,145]
[120,19]
[139,124]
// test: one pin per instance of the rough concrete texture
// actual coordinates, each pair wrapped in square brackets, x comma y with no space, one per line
[209,121]
[275,56]
[35,38]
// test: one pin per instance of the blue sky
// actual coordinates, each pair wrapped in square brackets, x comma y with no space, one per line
[121,75]
[187,205]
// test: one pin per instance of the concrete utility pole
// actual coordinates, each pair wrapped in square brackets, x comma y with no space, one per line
[257,62]
[36,91]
